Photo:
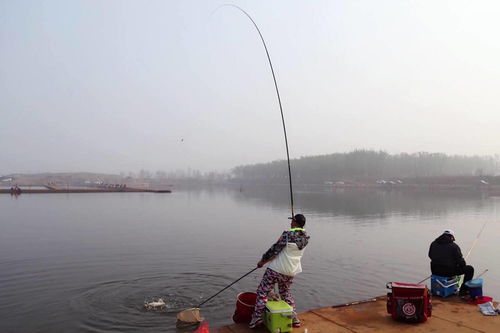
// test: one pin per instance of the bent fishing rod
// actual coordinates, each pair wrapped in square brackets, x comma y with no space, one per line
[277,94]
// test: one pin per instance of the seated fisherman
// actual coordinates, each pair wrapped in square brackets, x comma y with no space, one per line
[447,259]
[284,257]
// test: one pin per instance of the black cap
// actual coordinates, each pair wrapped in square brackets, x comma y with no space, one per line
[300,219]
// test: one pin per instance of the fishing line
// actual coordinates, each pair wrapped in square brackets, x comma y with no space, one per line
[485,271]
[190,316]
[277,94]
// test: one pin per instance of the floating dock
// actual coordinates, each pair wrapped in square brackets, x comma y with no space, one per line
[82,190]
[449,314]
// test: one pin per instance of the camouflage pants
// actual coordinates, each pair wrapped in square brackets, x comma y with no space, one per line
[268,280]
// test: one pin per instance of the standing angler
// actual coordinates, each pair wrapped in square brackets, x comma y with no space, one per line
[285,256]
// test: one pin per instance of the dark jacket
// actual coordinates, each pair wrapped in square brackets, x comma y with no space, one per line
[446,257]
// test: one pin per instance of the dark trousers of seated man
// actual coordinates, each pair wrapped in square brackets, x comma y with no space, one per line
[467,271]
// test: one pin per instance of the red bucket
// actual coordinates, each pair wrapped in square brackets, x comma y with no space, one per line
[203,328]
[481,300]
[245,302]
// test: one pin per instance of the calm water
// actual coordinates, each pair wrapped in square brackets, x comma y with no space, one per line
[86,262]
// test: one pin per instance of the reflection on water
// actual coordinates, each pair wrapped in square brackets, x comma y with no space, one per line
[366,203]
[86,262]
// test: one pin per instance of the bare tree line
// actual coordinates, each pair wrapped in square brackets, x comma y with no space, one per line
[369,164]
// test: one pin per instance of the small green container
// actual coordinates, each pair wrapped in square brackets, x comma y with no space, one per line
[278,316]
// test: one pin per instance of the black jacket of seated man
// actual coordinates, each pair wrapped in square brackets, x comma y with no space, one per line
[447,259]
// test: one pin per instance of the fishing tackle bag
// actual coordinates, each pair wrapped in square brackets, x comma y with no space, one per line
[408,302]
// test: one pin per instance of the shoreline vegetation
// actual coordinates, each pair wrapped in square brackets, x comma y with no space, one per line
[358,169]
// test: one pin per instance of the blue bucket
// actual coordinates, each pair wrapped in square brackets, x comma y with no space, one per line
[475,287]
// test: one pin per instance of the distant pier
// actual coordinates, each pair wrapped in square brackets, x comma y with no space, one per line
[52,189]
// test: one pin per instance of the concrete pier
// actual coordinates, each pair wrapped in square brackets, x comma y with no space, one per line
[448,315]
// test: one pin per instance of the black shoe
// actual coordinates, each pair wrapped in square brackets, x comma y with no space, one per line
[254,323]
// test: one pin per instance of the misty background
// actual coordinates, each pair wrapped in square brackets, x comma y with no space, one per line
[119,86]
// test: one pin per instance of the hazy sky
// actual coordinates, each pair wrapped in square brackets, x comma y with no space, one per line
[110,86]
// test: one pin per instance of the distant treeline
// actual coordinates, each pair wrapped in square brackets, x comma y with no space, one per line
[368,165]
